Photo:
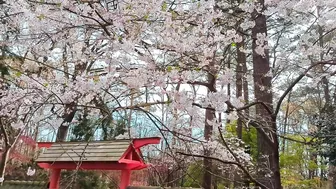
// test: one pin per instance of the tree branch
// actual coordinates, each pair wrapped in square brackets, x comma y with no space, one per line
[298,79]
[256,103]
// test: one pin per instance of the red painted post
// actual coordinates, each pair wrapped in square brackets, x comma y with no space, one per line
[125,179]
[55,178]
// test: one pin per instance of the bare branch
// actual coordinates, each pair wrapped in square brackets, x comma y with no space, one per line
[256,103]
[298,79]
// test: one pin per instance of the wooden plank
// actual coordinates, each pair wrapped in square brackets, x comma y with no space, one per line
[91,143]
[90,146]
[72,154]
[92,150]
[83,147]
[76,159]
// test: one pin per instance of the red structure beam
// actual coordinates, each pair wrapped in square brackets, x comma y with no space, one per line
[44,144]
[92,165]
[125,179]
[54,178]
[140,142]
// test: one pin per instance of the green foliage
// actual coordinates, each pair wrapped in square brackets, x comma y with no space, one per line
[112,130]
[164,6]
[146,16]
[197,69]
[84,131]
[4,70]
[17,171]
[249,137]
[23,185]
[41,17]
[295,161]
[312,165]
[119,128]
[294,154]
[171,68]
[174,15]
[84,180]
[194,175]
[326,131]
[292,180]
[18,74]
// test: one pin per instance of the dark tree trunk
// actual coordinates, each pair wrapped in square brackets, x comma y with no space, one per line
[207,163]
[241,60]
[209,116]
[268,152]
[62,132]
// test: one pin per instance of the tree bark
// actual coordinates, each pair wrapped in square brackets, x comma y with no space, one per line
[62,132]
[208,129]
[241,60]
[268,152]
[207,177]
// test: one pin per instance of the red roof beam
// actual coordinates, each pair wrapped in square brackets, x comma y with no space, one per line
[92,165]
[44,144]
[140,142]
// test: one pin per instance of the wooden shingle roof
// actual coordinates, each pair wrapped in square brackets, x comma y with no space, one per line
[85,151]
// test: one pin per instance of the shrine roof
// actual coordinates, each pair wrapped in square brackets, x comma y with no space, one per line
[101,151]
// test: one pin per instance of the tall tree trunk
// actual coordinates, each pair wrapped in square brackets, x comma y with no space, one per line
[328,108]
[207,177]
[268,148]
[241,60]
[208,129]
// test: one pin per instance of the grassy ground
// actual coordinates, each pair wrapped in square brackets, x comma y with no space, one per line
[24,185]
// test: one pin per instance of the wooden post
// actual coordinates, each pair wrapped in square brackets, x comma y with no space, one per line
[54,178]
[125,179]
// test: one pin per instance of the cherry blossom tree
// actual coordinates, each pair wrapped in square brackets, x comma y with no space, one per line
[127,43]
[95,59]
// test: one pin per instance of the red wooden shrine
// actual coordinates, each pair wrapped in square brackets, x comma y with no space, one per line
[130,159]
